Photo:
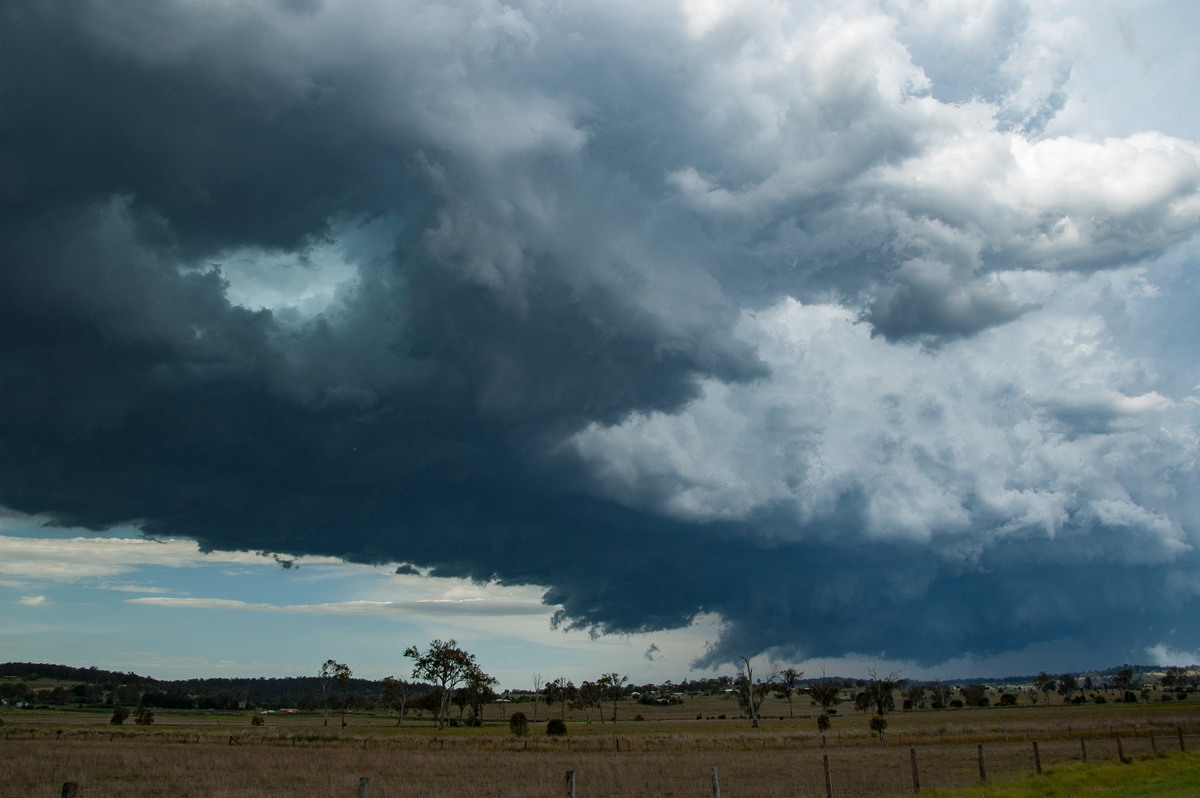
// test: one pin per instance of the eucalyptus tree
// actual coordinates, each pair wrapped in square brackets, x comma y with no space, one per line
[751,692]
[445,665]
[787,685]
[613,685]
[333,672]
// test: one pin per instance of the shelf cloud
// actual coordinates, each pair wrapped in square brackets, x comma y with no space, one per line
[857,328]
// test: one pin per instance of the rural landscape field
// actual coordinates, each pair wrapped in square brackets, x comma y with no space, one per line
[652,750]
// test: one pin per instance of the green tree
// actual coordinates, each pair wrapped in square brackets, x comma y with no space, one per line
[333,672]
[144,717]
[914,697]
[395,696]
[974,695]
[878,725]
[787,685]
[119,716]
[1044,683]
[561,691]
[588,698]
[826,693]
[445,665]
[477,692]
[939,694]
[613,685]
[752,693]
[1067,685]
[518,724]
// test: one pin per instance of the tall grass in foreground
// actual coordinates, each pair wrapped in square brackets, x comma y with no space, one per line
[141,769]
[1172,775]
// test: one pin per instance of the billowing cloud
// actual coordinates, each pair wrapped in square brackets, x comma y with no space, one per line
[838,324]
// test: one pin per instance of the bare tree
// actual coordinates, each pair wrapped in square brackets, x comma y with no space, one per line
[537,694]
[751,693]
[879,691]
[939,691]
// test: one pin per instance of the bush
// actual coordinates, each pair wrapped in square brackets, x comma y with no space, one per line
[257,720]
[823,723]
[145,717]
[638,717]
[1101,699]
[556,727]
[1008,700]
[518,724]
[119,715]
[956,704]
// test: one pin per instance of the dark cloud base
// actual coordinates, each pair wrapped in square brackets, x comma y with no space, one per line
[422,418]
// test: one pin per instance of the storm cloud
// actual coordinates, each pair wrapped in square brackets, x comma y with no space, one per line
[840,325]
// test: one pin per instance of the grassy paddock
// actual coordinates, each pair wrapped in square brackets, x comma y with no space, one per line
[667,754]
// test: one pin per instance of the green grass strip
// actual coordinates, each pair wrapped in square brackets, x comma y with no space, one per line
[1173,775]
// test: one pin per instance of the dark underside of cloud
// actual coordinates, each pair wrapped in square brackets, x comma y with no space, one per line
[551,229]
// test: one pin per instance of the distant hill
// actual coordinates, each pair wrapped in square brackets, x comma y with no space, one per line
[94,685]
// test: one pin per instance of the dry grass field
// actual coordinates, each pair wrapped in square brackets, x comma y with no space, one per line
[669,753]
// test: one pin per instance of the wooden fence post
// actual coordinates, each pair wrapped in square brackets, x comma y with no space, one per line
[364,787]
[1153,743]
[570,784]
[70,789]
[1037,758]
[828,777]
[1083,748]
[1179,731]
[912,753]
[982,769]
[716,782]
[1120,749]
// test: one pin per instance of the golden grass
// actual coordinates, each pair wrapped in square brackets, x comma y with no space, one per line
[668,754]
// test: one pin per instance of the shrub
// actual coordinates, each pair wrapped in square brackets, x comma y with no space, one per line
[119,715]
[823,723]
[638,717]
[556,727]
[145,717]
[257,720]
[1101,699]
[879,725]
[518,724]
[1008,700]
[956,703]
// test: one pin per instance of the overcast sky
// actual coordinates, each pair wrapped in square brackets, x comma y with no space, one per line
[599,335]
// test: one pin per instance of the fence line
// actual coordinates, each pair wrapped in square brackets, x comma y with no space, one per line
[71,789]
